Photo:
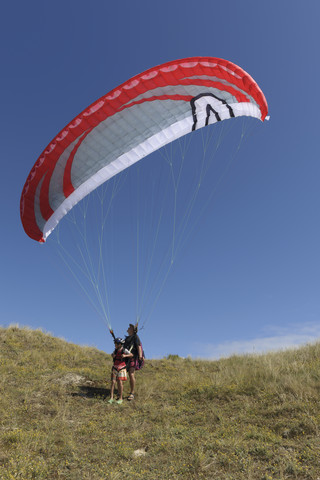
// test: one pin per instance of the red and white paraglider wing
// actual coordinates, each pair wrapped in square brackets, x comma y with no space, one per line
[133,120]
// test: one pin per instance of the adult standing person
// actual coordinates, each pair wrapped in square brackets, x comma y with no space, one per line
[133,345]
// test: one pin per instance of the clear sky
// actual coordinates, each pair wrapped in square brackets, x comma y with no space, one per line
[247,278]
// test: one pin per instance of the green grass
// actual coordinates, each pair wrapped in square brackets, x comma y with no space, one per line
[254,417]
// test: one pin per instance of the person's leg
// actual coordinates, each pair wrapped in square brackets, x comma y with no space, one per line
[113,382]
[132,382]
[120,388]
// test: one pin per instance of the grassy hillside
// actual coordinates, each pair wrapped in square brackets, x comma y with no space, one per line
[241,418]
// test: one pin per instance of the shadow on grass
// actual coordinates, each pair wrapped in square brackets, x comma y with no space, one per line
[92,392]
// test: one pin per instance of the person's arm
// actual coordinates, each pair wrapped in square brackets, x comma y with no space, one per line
[127,354]
[138,348]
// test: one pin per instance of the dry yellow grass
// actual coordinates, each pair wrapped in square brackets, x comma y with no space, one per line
[242,418]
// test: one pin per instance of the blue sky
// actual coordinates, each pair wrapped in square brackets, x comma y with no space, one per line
[248,276]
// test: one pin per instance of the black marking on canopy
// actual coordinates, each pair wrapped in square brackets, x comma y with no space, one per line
[209,108]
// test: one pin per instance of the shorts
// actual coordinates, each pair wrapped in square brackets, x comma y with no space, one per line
[119,374]
[131,363]
[135,363]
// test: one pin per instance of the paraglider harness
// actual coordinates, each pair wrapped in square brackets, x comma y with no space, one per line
[138,363]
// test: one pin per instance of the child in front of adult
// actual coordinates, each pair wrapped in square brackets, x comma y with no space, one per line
[119,371]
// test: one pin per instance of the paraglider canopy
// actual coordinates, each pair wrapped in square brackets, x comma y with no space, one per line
[136,118]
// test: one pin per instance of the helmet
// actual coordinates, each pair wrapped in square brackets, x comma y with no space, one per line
[119,340]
